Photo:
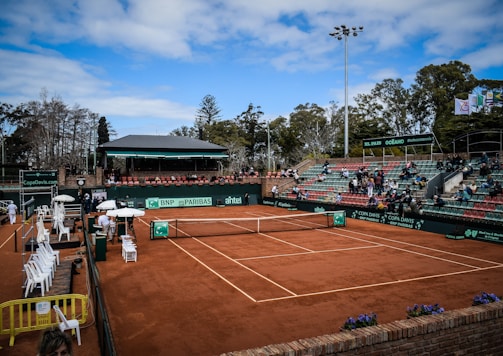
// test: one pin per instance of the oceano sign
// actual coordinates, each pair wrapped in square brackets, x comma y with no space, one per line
[416,140]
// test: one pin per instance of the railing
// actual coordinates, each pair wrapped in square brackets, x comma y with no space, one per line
[22,315]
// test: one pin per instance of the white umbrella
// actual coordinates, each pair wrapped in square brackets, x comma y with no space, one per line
[125,213]
[107,205]
[64,198]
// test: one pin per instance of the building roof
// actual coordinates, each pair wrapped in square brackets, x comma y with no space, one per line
[151,146]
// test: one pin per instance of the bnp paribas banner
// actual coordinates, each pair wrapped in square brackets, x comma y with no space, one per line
[160,203]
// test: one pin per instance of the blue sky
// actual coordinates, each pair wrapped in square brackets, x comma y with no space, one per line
[146,64]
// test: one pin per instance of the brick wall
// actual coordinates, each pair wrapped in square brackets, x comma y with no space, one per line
[475,330]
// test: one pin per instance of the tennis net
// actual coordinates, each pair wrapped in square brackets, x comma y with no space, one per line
[235,226]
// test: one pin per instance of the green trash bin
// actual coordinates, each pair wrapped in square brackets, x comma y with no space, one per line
[121,226]
[101,248]
[90,224]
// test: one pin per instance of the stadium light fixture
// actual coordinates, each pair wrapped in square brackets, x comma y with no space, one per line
[341,32]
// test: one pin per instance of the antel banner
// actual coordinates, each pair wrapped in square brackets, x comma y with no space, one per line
[416,140]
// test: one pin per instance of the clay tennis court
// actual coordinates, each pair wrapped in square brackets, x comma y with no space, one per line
[217,294]
[210,295]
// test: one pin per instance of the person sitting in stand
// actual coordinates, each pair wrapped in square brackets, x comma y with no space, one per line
[438,201]
[488,183]
[338,198]
[497,189]
[462,195]
[440,165]
[495,164]
[484,170]
[473,187]
[325,168]
[483,159]
[467,170]
[372,203]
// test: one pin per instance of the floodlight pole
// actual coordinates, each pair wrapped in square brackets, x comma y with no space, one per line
[340,32]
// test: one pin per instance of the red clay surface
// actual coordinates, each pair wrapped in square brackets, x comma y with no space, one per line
[212,295]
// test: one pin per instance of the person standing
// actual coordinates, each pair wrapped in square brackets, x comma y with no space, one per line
[12,211]
[247,199]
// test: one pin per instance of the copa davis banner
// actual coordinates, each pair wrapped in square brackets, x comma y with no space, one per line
[456,230]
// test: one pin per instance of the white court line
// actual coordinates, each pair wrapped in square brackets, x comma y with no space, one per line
[377,284]
[408,251]
[304,253]
[423,247]
[214,272]
[245,267]
[9,238]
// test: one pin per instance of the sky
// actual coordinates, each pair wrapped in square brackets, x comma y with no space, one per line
[147,64]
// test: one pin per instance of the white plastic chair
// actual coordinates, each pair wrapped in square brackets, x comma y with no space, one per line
[53,252]
[32,280]
[66,324]
[63,230]
[43,234]
[41,268]
[48,257]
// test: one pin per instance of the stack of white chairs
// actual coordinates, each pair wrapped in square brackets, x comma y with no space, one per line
[40,268]
[51,251]
[47,256]
[34,279]
[129,252]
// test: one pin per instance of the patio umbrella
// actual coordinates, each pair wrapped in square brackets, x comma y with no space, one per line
[125,213]
[63,198]
[107,205]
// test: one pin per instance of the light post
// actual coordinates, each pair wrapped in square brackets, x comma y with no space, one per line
[340,32]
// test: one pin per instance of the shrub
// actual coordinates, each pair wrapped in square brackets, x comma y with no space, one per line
[418,310]
[362,321]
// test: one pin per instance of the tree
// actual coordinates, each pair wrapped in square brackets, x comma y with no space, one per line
[433,93]
[249,125]
[207,113]
[312,130]
[48,134]
[394,100]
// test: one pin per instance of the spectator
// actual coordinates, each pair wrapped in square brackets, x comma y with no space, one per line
[440,165]
[438,201]
[473,187]
[467,170]
[54,342]
[497,189]
[338,198]
[495,164]
[373,202]
[483,159]
[484,170]
[488,183]
[274,191]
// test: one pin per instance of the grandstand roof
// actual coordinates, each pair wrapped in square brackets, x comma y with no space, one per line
[151,146]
